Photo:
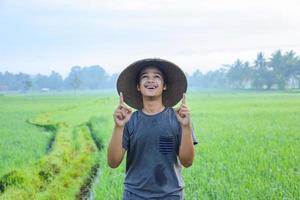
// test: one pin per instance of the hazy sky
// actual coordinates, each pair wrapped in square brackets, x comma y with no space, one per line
[37,36]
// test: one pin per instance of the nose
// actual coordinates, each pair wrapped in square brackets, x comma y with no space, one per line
[150,80]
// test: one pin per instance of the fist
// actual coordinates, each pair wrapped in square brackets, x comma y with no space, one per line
[122,113]
[183,113]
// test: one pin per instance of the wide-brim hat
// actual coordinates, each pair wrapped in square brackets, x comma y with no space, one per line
[176,82]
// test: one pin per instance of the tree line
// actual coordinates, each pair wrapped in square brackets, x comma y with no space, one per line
[280,71]
[91,77]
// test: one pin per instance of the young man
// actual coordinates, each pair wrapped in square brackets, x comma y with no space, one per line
[158,139]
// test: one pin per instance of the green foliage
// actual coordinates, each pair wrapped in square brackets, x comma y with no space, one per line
[95,125]
[248,146]
[281,70]
[66,169]
[12,178]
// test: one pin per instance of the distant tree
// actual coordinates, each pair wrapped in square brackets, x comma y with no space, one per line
[235,73]
[20,80]
[247,75]
[112,80]
[55,81]
[27,84]
[297,71]
[7,80]
[75,82]
[217,78]
[276,64]
[40,81]
[3,84]
[260,71]
[69,80]
[280,70]
[290,69]
[196,79]
[93,77]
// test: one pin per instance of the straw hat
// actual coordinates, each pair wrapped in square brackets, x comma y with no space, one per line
[175,80]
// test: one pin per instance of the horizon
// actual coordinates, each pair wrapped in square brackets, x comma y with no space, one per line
[111,74]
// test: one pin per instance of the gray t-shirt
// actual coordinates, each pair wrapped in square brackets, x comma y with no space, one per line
[153,169]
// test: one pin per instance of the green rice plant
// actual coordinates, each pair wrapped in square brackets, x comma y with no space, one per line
[249,146]
[65,170]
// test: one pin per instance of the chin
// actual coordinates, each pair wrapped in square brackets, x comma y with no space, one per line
[150,95]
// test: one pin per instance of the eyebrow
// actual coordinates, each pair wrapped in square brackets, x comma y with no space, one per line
[153,72]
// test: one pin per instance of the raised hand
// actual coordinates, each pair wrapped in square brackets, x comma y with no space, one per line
[122,113]
[183,112]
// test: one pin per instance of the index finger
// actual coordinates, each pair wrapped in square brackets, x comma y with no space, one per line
[183,99]
[121,98]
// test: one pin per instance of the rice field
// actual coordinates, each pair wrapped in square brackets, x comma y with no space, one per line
[51,146]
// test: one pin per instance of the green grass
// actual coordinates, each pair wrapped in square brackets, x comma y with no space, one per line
[249,147]
[249,144]
[63,172]
[20,142]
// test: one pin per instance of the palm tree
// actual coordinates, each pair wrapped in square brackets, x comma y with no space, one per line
[291,65]
[235,73]
[260,71]
[276,64]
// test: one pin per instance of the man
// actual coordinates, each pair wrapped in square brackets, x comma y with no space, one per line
[157,139]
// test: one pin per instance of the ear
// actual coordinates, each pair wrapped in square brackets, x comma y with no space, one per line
[138,87]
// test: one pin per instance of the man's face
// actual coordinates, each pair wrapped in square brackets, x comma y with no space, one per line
[151,82]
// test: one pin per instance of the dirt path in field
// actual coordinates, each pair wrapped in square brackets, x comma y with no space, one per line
[86,189]
[67,171]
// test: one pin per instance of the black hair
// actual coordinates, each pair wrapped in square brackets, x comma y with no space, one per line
[137,79]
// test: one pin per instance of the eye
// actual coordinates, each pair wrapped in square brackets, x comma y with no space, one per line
[144,76]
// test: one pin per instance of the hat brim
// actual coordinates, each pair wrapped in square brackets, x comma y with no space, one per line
[176,82]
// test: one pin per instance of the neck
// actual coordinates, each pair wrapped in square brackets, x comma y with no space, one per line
[152,106]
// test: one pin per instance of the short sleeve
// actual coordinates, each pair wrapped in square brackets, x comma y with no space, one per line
[177,129]
[194,137]
[125,142]
[195,141]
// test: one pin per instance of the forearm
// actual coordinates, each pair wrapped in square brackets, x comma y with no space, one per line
[186,150]
[115,150]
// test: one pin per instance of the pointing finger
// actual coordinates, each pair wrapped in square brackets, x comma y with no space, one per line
[184,99]
[121,98]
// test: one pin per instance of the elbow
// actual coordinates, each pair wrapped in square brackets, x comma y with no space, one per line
[186,161]
[113,161]
[113,164]
[187,164]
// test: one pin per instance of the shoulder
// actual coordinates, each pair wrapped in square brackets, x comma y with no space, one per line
[133,120]
[171,115]
[171,112]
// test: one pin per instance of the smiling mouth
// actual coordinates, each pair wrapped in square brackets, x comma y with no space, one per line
[151,87]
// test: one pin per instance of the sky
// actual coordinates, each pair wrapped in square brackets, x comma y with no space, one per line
[38,36]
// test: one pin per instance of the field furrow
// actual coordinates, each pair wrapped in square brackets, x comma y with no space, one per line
[66,172]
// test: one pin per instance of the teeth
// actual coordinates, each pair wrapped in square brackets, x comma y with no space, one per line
[150,87]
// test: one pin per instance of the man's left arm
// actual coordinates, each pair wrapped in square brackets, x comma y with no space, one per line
[186,149]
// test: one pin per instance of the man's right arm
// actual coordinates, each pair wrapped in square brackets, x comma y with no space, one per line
[116,151]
